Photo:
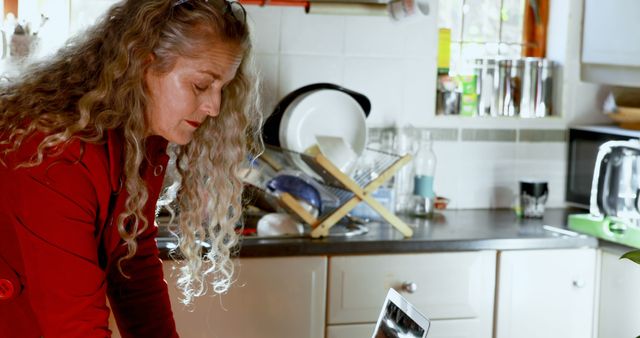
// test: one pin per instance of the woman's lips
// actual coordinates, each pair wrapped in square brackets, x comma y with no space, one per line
[193,123]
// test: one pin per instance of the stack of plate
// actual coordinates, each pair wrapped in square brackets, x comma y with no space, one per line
[323,112]
[318,110]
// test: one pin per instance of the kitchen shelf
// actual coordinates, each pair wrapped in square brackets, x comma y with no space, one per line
[262,3]
[331,7]
[349,190]
[549,122]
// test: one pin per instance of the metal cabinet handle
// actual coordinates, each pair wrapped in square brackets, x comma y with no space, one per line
[409,287]
[578,283]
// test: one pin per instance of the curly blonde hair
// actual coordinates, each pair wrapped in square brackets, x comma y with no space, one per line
[55,98]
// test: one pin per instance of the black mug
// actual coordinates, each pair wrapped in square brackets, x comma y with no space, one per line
[533,197]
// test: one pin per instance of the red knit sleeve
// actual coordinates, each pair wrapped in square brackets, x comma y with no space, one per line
[52,210]
[141,303]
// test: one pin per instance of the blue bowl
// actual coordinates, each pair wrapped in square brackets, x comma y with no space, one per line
[297,187]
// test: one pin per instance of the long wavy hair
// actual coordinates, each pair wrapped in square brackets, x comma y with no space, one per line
[96,83]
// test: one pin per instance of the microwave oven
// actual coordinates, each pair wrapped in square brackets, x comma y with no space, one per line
[583,144]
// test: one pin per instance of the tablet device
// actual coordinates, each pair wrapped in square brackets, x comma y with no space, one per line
[399,319]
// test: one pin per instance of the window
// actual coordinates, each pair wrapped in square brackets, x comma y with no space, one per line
[481,70]
[482,29]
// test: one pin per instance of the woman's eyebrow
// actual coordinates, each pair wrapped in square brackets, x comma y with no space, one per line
[214,75]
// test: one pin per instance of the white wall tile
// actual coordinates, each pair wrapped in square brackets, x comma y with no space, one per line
[421,39]
[380,79]
[381,36]
[421,35]
[487,176]
[311,34]
[419,92]
[372,36]
[267,66]
[448,170]
[265,28]
[418,43]
[299,70]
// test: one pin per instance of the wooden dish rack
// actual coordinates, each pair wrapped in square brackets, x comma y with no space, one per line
[349,190]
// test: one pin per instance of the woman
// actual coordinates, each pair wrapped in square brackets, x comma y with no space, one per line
[83,152]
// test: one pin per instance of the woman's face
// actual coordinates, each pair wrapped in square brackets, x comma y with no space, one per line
[191,92]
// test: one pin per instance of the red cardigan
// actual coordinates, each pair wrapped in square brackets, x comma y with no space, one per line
[59,245]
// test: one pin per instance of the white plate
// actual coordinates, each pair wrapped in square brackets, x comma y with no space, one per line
[323,112]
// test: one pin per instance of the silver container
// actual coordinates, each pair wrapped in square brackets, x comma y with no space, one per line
[487,86]
[530,87]
[516,76]
[448,102]
[503,92]
[510,74]
[544,91]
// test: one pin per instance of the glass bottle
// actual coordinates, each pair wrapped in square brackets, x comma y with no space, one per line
[424,171]
[386,146]
[404,143]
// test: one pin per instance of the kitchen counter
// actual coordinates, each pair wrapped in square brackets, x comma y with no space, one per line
[450,230]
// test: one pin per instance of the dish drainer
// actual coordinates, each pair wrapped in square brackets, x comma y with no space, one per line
[350,190]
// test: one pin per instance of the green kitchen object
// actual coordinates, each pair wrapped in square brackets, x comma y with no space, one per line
[609,228]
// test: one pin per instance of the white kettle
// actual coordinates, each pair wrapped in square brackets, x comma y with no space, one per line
[615,189]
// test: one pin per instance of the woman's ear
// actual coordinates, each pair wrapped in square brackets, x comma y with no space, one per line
[149,59]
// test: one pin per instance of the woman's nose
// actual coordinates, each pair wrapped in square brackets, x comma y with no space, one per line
[212,104]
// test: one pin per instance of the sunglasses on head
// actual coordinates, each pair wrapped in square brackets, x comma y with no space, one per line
[231,7]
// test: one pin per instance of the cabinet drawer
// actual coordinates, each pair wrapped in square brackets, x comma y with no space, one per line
[457,285]
[439,329]
[282,297]
[350,331]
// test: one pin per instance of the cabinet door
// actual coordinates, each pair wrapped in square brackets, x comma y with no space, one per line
[272,298]
[619,297]
[546,294]
[449,286]
[610,32]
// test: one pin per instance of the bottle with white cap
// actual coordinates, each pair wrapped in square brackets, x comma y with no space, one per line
[424,171]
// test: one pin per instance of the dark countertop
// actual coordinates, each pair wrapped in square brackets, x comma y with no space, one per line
[450,230]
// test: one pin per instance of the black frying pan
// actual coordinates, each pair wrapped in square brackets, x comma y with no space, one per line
[271,129]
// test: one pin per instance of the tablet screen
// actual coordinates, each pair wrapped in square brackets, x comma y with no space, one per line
[400,320]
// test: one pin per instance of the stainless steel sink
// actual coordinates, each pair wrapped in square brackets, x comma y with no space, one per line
[337,230]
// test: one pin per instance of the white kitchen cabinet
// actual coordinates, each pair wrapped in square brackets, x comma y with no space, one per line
[619,296]
[610,32]
[454,290]
[546,293]
[280,297]
[610,42]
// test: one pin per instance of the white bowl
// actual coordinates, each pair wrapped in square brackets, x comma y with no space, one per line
[338,151]
[276,224]
[325,113]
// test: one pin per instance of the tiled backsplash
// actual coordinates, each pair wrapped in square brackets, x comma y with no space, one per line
[395,66]
[480,168]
